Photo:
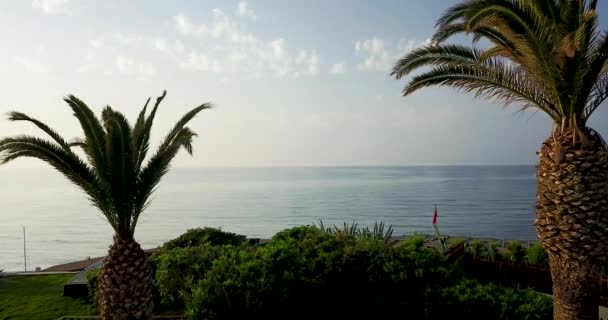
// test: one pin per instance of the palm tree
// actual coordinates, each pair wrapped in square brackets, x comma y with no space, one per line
[547,55]
[118,182]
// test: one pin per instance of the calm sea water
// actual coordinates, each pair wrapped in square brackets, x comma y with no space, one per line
[489,201]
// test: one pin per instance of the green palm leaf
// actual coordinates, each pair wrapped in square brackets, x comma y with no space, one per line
[544,54]
[113,178]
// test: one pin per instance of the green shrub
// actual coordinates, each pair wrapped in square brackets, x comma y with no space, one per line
[413,242]
[234,288]
[455,242]
[92,276]
[472,300]
[477,249]
[517,252]
[302,268]
[298,233]
[493,252]
[198,236]
[537,256]
[178,270]
[379,232]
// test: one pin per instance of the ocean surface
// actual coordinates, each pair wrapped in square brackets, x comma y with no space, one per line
[61,226]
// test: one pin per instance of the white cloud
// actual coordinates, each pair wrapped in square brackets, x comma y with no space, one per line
[229,48]
[52,6]
[243,10]
[96,43]
[309,60]
[379,54]
[338,68]
[31,65]
[129,67]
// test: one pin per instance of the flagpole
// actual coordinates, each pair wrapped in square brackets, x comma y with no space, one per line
[437,233]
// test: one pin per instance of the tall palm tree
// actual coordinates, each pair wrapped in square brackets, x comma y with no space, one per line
[118,181]
[547,55]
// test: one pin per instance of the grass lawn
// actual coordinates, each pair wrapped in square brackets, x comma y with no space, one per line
[39,297]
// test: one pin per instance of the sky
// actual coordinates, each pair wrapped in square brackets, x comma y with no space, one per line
[294,83]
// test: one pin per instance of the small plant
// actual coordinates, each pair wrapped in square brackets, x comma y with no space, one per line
[455,242]
[493,253]
[518,253]
[414,242]
[92,277]
[538,256]
[477,249]
[379,232]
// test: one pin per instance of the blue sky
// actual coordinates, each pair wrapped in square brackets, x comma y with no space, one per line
[294,82]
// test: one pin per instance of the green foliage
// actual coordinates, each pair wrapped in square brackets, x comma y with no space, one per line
[113,176]
[198,236]
[299,233]
[517,252]
[178,270]
[477,249]
[92,276]
[413,242]
[547,55]
[469,299]
[455,242]
[305,267]
[537,256]
[493,253]
[379,231]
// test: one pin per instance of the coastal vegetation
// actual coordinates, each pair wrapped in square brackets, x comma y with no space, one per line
[118,178]
[549,56]
[333,271]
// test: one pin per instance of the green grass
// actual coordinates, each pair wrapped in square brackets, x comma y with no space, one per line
[39,297]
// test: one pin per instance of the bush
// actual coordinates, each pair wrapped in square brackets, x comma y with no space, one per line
[493,252]
[379,232]
[305,267]
[472,300]
[455,242]
[198,236]
[92,276]
[477,249]
[178,270]
[331,275]
[412,242]
[517,253]
[537,256]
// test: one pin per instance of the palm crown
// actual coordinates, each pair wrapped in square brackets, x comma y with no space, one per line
[546,54]
[114,175]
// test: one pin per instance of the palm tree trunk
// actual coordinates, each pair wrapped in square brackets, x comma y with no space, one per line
[572,220]
[576,288]
[125,285]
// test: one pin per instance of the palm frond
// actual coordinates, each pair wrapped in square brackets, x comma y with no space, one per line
[498,81]
[64,161]
[113,180]
[93,132]
[182,122]
[143,141]
[543,53]
[18,116]
[156,168]
[435,55]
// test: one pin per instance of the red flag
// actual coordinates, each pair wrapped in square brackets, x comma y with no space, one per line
[435,216]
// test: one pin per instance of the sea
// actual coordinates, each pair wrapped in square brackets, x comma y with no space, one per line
[62,226]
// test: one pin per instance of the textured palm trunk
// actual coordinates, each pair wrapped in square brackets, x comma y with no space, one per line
[125,285]
[572,220]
